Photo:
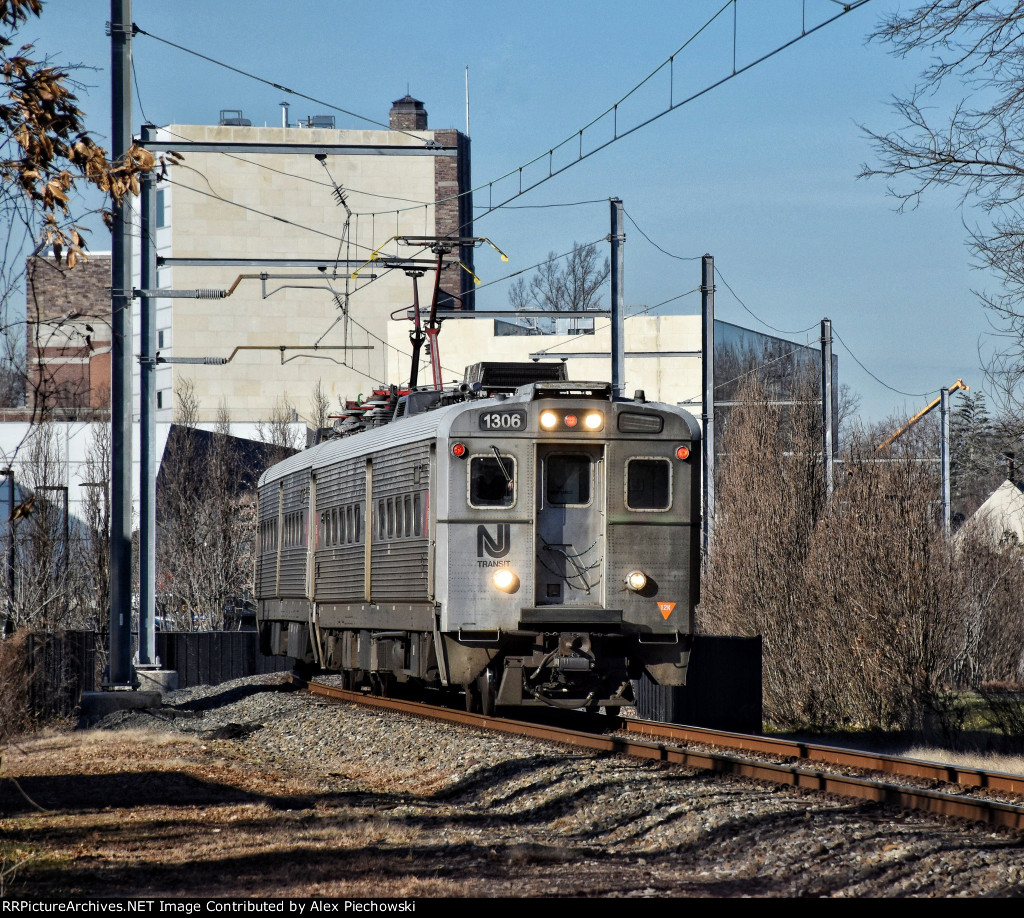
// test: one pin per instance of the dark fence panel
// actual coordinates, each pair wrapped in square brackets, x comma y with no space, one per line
[212,657]
[62,666]
[722,691]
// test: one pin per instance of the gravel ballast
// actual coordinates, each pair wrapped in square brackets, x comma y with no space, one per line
[251,788]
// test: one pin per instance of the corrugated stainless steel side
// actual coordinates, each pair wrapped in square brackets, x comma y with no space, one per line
[339,568]
[295,500]
[266,554]
[398,565]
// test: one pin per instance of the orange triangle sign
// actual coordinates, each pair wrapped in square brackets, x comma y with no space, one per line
[665,608]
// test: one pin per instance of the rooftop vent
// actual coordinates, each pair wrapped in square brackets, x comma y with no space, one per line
[507,376]
[319,121]
[233,117]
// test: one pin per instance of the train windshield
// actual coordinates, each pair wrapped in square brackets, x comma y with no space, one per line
[492,481]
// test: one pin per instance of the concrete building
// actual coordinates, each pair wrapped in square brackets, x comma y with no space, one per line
[281,217]
[662,352]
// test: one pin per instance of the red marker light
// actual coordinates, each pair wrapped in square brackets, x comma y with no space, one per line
[458,450]
[571,420]
[683,452]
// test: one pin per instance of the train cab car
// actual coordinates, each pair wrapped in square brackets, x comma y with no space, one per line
[532,547]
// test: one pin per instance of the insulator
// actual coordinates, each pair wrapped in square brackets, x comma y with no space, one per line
[209,294]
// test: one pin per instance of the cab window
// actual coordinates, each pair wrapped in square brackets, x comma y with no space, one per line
[648,484]
[567,480]
[492,481]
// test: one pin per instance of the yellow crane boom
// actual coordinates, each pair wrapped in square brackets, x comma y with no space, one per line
[959,384]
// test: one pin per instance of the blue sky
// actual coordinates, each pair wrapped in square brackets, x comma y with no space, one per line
[760,172]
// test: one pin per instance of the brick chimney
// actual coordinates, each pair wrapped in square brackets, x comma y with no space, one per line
[408,114]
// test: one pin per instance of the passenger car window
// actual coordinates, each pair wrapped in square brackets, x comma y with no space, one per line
[567,480]
[492,481]
[648,484]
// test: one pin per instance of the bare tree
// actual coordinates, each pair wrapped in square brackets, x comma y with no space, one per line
[206,520]
[573,287]
[319,408]
[976,147]
[870,616]
[94,542]
[277,431]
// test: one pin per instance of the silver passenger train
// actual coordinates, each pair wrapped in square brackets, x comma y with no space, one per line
[527,543]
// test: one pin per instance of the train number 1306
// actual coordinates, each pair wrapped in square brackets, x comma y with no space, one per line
[503,420]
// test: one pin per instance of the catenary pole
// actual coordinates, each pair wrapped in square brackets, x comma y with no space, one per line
[944,412]
[120,673]
[826,404]
[617,239]
[707,311]
[147,420]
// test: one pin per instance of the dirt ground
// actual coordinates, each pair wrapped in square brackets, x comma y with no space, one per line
[132,813]
[129,813]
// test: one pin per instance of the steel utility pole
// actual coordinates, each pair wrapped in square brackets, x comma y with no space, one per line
[147,421]
[707,311]
[120,673]
[618,301]
[944,415]
[826,403]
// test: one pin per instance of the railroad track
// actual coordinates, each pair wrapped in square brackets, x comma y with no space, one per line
[946,790]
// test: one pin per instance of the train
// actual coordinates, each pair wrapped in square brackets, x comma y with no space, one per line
[520,538]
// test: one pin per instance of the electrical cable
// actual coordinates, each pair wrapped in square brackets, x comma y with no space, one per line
[872,375]
[658,247]
[846,7]
[781,331]
[137,31]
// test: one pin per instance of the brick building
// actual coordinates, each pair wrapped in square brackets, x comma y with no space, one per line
[67,338]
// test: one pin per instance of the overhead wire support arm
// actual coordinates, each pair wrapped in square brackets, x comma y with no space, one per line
[220,361]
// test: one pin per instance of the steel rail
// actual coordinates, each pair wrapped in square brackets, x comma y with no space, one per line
[973,809]
[833,755]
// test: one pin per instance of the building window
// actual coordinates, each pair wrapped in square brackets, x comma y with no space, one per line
[161,212]
[160,338]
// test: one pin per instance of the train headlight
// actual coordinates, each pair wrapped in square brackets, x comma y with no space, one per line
[636,581]
[505,579]
[548,420]
[594,420]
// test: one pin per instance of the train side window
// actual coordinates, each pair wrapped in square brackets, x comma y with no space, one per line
[648,484]
[407,505]
[492,481]
[417,515]
[357,533]
[567,479]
